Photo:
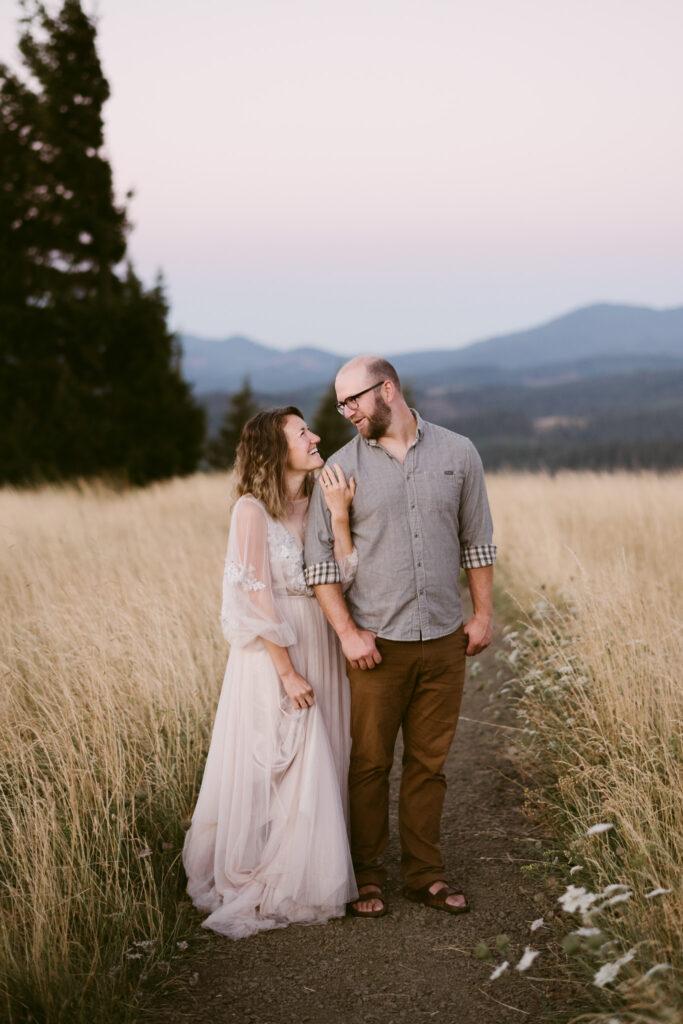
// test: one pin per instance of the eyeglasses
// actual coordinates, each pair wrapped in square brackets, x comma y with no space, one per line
[352,401]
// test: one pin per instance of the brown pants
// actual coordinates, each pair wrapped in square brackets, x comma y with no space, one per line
[417,686]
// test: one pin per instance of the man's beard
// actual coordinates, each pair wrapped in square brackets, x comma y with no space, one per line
[376,424]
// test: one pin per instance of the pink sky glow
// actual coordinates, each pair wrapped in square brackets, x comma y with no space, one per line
[393,174]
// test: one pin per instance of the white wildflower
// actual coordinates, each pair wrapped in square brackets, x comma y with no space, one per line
[619,898]
[181,945]
[145,944]
[577,899]
[594,830]
[608,972]
[657,967]
[656,892]
[499,970]
[146,852]
[570,721]
[527,959]
[133,956]
[586,931]
[577,867]
[614,887]
[538,923]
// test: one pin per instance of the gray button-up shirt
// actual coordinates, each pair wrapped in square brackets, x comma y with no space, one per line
[413,524]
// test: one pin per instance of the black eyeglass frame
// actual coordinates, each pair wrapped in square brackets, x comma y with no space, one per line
[352,401]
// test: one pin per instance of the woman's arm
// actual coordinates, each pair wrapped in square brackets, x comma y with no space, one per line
[299,691]
[338,498]
[250,609]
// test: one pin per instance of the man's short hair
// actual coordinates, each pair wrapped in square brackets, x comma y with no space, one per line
[383,370]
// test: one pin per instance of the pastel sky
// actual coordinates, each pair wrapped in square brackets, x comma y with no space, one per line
[389,175]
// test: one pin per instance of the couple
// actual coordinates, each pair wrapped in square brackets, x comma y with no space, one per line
[364,567]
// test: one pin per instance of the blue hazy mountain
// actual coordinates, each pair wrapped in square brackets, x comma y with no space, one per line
[589,342]
[223,365]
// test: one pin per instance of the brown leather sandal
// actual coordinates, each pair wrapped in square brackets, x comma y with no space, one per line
[374,894]
[436,899]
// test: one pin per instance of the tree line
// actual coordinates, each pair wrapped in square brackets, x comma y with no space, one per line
[90,378]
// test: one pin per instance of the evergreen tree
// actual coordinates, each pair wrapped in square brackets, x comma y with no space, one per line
[334,430]
[91,376]
[221,450]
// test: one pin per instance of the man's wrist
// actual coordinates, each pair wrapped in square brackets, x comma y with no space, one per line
[349,629]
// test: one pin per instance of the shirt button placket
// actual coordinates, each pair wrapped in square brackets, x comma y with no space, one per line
[417,537]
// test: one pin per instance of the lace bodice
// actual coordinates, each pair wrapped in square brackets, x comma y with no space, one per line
[286,561]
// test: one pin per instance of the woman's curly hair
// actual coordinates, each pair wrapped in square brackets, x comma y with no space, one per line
[262,458]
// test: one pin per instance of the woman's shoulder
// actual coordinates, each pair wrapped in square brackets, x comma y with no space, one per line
[249,507]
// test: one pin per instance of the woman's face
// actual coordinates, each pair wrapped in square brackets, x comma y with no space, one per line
[302,444]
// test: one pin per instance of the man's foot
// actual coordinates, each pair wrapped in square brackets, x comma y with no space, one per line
[373,905]
[440,896]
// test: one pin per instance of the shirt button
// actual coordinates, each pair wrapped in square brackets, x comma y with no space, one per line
[415,535]
[422,591]
[419,565]
[412,506]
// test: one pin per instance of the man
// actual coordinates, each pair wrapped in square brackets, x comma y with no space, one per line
[420,511]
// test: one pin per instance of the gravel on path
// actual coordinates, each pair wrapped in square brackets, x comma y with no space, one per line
[416,964]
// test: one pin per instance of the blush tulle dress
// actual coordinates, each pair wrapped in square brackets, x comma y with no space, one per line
[268,842]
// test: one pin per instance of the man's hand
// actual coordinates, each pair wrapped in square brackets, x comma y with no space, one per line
[479,634]
[360,649]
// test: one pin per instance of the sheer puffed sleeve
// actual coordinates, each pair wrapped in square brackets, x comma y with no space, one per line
[249,609]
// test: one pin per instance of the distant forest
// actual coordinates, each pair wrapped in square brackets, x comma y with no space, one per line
[624,421]
[632,421]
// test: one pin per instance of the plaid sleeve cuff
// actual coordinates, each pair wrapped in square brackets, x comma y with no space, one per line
[477,556]
[322,572]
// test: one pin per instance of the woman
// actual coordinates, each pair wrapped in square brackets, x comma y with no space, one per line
[268,842]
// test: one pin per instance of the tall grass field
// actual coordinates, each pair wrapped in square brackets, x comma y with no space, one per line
[111,659]
[593,564]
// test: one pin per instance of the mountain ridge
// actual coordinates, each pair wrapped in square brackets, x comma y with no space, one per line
[601,332]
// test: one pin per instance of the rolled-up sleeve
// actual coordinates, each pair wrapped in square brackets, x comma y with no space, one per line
[475,526]
[321,566]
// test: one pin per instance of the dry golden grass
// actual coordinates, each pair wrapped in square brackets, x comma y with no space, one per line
[111,658]
[594,560]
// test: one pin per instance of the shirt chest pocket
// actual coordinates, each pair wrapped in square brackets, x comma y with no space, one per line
[439,490]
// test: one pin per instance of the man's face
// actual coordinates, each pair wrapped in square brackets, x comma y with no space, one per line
[372,416]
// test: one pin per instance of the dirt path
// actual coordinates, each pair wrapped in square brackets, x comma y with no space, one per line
[415,964]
